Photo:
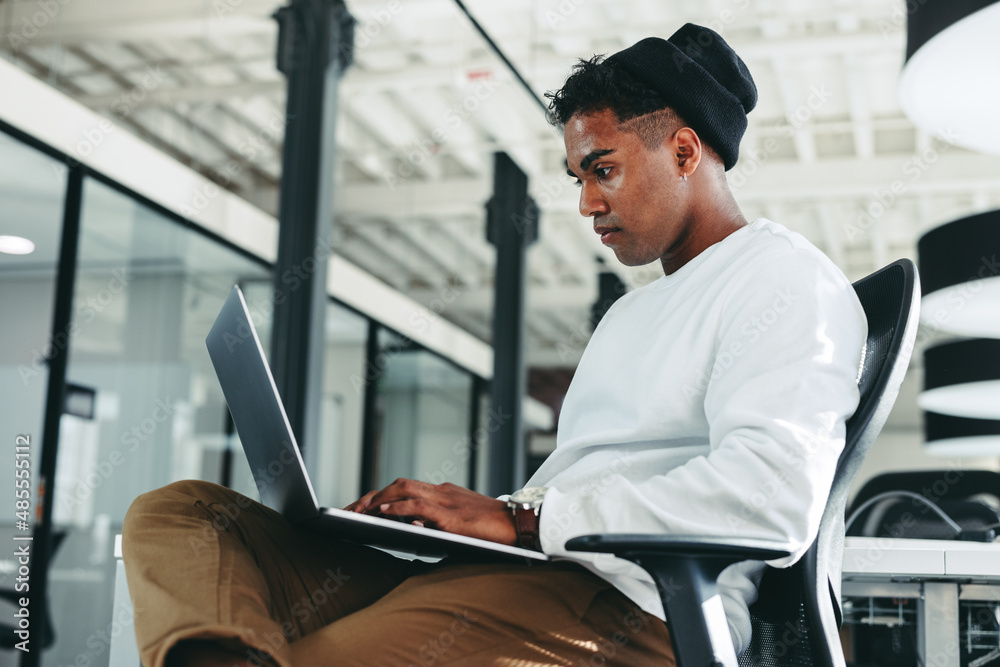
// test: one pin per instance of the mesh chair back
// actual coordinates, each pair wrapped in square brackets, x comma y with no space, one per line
[797,616]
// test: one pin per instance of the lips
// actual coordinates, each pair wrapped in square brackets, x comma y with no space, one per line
[607,233]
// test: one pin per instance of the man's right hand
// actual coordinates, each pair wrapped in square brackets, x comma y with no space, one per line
[447,507]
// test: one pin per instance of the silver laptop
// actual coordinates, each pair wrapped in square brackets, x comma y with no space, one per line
[277,465]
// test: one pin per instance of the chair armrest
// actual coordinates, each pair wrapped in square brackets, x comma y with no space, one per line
[685,569]
[690,546]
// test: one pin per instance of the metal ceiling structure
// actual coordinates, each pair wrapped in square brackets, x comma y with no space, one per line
[828,151]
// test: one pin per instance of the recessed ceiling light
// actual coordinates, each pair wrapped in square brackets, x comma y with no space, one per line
[16,245]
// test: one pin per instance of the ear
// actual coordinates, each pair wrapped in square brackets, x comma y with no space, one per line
[687,149]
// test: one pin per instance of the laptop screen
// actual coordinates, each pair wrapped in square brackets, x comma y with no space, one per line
[258,413]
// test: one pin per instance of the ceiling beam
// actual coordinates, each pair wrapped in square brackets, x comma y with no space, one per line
[858,103]
[385,241]
[805,147]
[71,23]
[417,198]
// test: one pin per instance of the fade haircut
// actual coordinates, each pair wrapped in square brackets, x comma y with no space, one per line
[595,86]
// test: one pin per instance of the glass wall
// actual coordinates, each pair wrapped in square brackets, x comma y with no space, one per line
[146,291]
[32,189]
[334,466]
[423,414]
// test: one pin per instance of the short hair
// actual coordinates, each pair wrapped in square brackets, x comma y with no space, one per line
[595,86]
[653,127]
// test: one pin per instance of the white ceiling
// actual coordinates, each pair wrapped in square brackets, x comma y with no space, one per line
[426,103]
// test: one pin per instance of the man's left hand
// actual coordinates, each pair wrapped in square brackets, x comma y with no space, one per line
[447,507]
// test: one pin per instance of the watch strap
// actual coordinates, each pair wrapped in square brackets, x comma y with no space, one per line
[526,523]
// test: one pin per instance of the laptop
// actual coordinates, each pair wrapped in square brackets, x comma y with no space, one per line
[277,465]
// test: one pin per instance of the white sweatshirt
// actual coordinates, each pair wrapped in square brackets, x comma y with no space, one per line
[710,402]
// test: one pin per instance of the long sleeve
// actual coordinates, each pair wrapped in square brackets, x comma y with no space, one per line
[711,403]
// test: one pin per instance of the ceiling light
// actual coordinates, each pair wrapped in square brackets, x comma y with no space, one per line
[16,245]
[949,83]
[960,276]
[962,378]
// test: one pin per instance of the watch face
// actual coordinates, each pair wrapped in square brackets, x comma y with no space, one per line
[530,495]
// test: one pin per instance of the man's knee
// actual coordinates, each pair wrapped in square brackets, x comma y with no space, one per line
[172,497]
[189,497]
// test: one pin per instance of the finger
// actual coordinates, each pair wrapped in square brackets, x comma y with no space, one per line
[413,509]
[401,489]
[362,503]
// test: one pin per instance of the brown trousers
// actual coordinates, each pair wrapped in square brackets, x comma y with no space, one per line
[204,562]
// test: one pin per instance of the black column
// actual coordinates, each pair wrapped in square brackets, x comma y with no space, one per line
[512,225]
[315,43]
[475,421]
[371,420]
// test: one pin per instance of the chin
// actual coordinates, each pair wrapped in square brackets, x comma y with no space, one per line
[631,260]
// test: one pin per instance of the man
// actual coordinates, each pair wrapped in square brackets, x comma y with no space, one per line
[710,402]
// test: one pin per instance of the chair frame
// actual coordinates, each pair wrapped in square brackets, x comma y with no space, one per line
[685,567]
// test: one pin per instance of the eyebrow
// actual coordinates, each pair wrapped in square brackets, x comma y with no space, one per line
[589,159]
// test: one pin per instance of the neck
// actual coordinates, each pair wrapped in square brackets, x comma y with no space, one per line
[714,216]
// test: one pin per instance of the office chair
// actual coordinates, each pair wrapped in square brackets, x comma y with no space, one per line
[928,504]
[797,615]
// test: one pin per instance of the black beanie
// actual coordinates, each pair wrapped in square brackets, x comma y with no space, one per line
[702,78]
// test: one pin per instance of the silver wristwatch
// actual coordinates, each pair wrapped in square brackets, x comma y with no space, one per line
[526,506]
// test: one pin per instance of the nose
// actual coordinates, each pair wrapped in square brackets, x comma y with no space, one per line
[591,202]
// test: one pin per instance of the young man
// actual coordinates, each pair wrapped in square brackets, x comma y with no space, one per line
[710,402]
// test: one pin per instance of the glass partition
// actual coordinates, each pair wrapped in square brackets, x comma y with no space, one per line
[147,291]
[32,190]
[424,410]
[334,465]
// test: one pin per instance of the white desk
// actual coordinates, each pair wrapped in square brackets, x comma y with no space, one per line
[937,573]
